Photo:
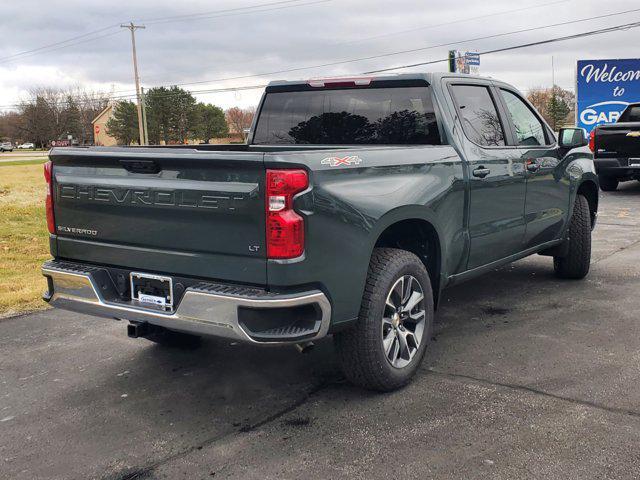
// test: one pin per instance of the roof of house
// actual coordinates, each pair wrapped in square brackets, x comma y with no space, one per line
[104,110]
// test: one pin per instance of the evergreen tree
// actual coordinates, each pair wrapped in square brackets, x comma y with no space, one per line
[123,125]
[558,110]
[210,122]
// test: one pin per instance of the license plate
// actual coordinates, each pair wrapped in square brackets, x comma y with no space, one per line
[634,162]
[152,290]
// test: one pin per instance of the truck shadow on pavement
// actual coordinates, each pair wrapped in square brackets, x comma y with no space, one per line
[185,400]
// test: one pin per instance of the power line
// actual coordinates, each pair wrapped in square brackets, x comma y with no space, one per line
[412,50]
[259,8]
[233,12]
[49,50]
[2,59]
[453,22]
[487,52]
[524,45]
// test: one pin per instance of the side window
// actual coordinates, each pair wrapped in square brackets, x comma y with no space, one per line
[480,119]
[631,114]
[530,130]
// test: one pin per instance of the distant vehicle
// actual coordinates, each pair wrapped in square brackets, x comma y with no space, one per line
[616,149]
[25,146]
[353,204]
[6,147]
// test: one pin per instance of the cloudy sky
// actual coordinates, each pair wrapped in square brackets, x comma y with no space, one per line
[204,45]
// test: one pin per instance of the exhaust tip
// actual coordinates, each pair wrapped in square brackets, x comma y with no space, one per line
[305,347]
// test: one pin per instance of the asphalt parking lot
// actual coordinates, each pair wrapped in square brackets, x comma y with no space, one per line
[528,377]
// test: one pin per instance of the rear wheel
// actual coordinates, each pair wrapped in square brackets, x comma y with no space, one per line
[575,264]
[608,184]
[385,347]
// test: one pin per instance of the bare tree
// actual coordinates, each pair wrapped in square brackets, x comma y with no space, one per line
[239,119]
[543,98]
[89,105]
[51,114]
[10,126]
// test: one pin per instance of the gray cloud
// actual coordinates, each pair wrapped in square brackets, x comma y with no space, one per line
[183,51]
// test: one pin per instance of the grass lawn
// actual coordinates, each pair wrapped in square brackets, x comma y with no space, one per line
[24,240]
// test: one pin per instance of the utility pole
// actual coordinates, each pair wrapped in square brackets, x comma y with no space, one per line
[133,28]
[553,92]
[144,117]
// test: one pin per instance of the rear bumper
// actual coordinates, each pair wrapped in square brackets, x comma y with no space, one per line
[617,168]
[208,309]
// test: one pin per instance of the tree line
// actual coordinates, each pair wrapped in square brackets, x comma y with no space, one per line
[556,105]
[52,114]
[174,116]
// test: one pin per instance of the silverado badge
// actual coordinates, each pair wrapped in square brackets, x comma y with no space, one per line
[338,161]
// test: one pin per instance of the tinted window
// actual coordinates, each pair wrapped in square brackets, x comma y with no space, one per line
[529,128]
[631,114]
[351,116]
[480,119]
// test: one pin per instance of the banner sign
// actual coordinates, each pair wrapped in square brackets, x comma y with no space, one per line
[464,62]
[604,88]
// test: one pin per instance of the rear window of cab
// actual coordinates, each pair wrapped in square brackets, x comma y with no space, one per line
[354,116]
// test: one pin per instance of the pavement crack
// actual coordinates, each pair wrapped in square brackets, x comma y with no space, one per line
[144,472]
[621,249]
[617,224]
[524,388]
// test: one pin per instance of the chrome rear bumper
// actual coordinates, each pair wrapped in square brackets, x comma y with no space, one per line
[205,308]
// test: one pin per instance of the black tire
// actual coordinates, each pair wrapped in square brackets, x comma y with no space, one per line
[171,339]
[360,348]
[576,263]
[608,184]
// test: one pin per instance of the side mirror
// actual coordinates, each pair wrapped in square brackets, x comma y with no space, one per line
[572,138]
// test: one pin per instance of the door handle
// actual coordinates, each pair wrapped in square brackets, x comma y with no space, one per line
[481,172]
[532,166]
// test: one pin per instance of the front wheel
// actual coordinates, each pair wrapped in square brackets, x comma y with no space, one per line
[608,184]
[575,264]
[385,347]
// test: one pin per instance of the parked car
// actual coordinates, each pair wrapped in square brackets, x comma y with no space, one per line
[26,146]
[6,147]
[353,205]
[616,149]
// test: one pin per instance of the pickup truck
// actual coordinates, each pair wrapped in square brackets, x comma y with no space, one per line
[354,203]
[616,149]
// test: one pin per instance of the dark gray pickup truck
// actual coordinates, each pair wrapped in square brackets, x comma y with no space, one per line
[616,149]
[353,205]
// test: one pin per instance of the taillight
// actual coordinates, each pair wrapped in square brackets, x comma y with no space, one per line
[285,228]
[592,140]
[48,175]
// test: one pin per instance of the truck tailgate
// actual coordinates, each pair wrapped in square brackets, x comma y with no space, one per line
[186,212]
[618,140]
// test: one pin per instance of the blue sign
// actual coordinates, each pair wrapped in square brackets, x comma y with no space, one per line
[604,88]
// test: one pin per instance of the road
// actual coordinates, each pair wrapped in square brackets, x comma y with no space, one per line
[528,377]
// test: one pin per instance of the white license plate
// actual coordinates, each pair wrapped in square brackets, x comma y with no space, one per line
[156,290]
[152,299]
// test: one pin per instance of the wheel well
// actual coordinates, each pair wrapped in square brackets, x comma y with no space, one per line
[420,238]
[590,191]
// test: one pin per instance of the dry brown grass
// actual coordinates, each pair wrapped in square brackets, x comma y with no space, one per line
[24,240]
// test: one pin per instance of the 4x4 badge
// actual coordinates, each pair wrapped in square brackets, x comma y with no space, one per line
[338,161]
